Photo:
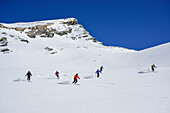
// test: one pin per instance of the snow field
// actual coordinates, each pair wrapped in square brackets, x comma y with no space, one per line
[126,84]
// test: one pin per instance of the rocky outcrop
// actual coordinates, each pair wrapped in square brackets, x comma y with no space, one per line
[20,29]
[6,50]
[71,22]
[48,29]
[51,50]
[31,34]
[2,26]
[23,40]
[61,33]
[3,41]
[32,28]
[41,28]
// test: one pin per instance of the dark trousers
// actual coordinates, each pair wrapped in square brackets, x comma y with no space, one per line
[101,70]
[97,74]
[28,78]
[75,81]
[57,76]
[153,69]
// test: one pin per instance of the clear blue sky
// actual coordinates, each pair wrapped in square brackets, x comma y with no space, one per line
[134,24]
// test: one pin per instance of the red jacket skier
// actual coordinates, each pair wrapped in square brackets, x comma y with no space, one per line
[57,74]
[75,78]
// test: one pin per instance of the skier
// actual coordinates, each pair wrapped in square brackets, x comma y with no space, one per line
[75,78]
[153,67]
[98,72]
[101,68]
[28,75]
[57,74]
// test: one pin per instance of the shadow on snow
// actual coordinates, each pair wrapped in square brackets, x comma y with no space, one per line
[19,80]
[89,77]
[64,83]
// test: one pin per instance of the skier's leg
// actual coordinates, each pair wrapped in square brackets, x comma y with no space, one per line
[152,69]
[101,70]
[28,78]
[97,74]
[75,81]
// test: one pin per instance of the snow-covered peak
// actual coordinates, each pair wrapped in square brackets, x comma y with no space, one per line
[61,33]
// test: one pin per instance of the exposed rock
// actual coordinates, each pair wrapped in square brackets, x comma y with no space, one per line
[20,29]
[31,34]
[85,36]
[3,41]
[50,34]
[38,32]
[43,36]
[23,40]
[41,27]
[49,49]
[70,30]
[6,50]
[11,35]
[71,22]
[2,26]
[4,33]
[93,39]
[81,26]
[73,38]
[61,33]
[102,43]
[32,28]
[54,52]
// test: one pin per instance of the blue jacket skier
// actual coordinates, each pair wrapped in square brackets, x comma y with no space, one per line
[98,72]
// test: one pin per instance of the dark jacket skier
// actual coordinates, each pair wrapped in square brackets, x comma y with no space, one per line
[101,68]
[153,67]
[98,72]
[57,74]
[75,78]
[28,75]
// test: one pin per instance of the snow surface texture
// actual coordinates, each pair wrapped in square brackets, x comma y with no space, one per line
[126,85]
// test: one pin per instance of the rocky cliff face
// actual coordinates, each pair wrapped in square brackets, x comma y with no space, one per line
[48,29]
[64,28]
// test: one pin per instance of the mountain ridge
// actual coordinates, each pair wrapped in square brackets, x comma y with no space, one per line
[61,28]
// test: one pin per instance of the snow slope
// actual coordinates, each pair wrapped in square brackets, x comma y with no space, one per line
[126,85]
